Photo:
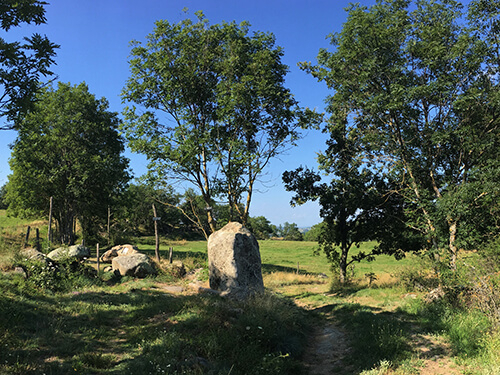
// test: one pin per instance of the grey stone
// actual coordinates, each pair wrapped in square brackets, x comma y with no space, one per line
[136,265]
[116,251]
[78,252]
[33,254]
[234,262]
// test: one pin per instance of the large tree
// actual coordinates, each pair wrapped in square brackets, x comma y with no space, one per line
[68,148]
[212,108]
[356,204]
[22,64]
[421,87]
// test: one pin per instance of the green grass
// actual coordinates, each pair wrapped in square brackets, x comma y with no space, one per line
[125,326]
[129,329]
[286,255]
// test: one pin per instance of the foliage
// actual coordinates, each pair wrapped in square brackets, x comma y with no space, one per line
[63,275]
[68,148]
[356,205]
[3,192]
[227,110]
[133,214]
[23,64]
[288,232]
[260,227]
[420,86]
[314,232]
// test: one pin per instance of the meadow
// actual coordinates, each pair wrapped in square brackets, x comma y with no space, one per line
[381,323]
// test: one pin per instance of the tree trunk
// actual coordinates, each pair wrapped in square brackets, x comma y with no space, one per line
[343,266]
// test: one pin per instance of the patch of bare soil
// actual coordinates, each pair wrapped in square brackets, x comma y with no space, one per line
[435,355]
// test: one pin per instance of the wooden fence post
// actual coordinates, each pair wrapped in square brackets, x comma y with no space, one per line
[27,236]
[49,233]
[97,259]
[170,254]
[109,220]
[37,241]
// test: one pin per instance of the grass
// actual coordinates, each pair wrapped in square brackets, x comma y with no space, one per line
[131,329]
[109,325]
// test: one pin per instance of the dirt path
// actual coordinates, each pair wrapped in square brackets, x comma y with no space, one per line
[326,351]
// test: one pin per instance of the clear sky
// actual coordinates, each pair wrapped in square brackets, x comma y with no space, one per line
[94,36]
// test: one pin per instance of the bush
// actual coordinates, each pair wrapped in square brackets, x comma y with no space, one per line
[63,275]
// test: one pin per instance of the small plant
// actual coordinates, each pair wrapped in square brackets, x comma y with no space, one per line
[371,278]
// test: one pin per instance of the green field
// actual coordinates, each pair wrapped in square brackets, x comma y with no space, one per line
[67,322]
[287,255]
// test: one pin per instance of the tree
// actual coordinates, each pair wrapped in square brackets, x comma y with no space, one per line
[314,233]
[289,232]
[354,202]
[68,148]
[3,192]
[421,88]
[227,110]
[133,214]
[260,227]
[22,64]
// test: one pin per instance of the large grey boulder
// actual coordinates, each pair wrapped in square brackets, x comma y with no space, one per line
[234,262]
[78,252]
[135,265]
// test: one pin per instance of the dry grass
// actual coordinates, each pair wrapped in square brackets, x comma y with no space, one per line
[279,279]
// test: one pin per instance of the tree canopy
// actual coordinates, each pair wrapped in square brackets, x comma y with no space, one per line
[22,64]
[226,111]
[68,148]
[419,83]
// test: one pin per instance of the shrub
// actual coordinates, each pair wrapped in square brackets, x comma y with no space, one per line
[63,275]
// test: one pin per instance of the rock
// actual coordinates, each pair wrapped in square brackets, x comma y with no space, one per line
[21,271]
[119,250]
[136,265]
[435,295]
[176,269]
[78,252]
[234,262]
[33,254]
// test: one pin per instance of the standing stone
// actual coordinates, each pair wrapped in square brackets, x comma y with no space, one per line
[234,261]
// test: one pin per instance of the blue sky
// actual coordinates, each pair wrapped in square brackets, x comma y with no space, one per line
[95,35]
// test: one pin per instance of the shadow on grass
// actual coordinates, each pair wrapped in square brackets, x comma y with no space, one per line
[135,331]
